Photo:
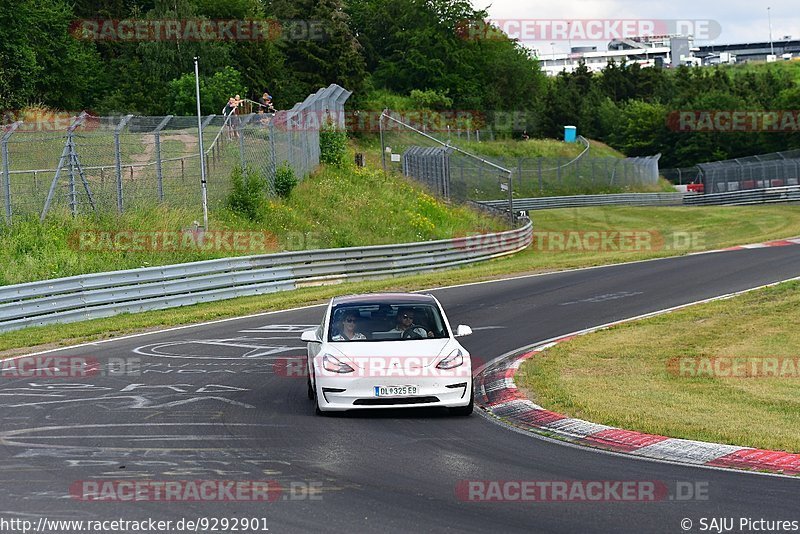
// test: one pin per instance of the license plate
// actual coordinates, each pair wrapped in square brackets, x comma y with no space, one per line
[395,391]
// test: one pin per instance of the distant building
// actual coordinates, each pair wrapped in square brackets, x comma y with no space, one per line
[648,51]
[667,51]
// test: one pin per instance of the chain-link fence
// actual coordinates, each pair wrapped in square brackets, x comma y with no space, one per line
[754,172]
[113,164]
[436,160]
[776,169]
[682,175]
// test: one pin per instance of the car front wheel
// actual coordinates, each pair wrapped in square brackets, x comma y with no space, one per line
[465,410]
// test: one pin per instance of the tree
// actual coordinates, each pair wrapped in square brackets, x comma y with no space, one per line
[214,92]
[40,61]
[318,60]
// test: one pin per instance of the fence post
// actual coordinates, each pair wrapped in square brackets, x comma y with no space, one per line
[519,169]
[558,171]
[383,146]
[541,182]
[203,163]
[273,157]
[73,194]
[242,124]
[6,172]
[511,197]
[66,153]
[118,156]
[625,172]
[159,175]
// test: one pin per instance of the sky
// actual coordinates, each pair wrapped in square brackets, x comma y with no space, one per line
[739,21]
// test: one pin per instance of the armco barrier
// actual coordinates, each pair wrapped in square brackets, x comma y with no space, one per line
[733,198]
[98,295]
[746,196]
[578,201]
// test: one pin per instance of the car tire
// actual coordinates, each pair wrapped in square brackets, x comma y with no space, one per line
[463,411]
[317,409]
[310,388]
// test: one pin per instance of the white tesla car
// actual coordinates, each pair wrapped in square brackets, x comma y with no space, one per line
[388,350]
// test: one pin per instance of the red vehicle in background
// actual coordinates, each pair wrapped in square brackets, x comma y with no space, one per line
[696,188]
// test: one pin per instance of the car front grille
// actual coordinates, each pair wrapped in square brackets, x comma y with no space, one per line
[393,401]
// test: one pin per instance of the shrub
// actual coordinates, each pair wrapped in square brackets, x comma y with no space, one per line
[430,99]
[285,180]
[332,144]
[247,194]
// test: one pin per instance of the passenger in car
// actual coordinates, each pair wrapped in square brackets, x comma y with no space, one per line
[346,330]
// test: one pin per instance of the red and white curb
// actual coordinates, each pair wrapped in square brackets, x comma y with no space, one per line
[766,244]
[497,394]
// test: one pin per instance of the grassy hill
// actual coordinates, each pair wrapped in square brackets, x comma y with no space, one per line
[335,207]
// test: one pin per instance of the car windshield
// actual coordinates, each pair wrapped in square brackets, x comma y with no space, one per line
[386,322]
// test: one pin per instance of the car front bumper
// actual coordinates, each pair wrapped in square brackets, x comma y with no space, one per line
[340,394]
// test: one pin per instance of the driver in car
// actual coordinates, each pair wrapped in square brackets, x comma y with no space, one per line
[405,325]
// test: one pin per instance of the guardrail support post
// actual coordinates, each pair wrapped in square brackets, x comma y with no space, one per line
[6,171]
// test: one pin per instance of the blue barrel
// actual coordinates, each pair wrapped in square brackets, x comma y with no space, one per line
[570,134]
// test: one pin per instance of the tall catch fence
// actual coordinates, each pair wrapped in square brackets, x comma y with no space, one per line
[436,159]
[85,164]
[776,169]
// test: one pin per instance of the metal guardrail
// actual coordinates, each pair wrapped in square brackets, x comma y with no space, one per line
[577,201]
[747,196]
[732,198]
[93,296]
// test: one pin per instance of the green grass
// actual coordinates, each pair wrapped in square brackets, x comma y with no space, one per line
[718,227]
[534,148]
[333,208]
[630,376]
[504,148]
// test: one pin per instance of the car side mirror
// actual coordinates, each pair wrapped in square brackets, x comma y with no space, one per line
[463,330]
[310,336]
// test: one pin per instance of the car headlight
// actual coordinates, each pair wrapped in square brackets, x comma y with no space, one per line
[334,365]
[454,359]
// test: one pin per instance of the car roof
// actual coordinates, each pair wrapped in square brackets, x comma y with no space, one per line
[384,298]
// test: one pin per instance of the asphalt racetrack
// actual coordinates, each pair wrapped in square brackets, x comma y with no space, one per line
[217,403]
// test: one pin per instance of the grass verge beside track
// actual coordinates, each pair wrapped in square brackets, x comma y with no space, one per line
[716,227]
[725,371]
